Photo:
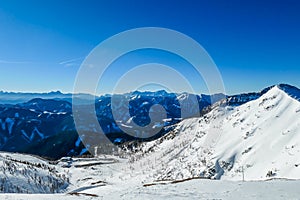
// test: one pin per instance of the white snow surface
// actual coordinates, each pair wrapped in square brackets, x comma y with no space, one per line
[117,181]
[21,173]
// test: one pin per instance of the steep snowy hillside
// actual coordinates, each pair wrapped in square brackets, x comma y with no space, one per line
[26,174]
[255,141]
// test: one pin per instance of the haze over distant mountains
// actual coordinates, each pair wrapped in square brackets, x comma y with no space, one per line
[21,97]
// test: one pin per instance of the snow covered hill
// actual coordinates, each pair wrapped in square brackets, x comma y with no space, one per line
[113,178]
[21,173]
[255,141]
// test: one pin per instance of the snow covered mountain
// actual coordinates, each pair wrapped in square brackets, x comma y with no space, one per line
[33,121]
[254,141]
[47,123]
[255,137]
[40,124]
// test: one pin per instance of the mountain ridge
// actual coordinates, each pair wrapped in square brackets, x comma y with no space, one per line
[7,97]
[256,140]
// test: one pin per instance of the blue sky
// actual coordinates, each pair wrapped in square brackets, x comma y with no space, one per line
[254,43]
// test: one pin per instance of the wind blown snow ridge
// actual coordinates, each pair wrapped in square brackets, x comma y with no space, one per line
[257,140]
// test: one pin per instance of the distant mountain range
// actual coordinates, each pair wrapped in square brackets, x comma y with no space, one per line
[21,97]
[43,123]
[46,120]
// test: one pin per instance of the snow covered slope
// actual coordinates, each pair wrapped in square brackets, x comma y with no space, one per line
[113,178]
[255,141]
[21,173]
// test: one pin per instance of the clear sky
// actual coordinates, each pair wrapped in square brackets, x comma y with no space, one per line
[254,43]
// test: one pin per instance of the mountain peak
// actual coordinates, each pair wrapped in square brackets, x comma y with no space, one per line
[55,92]
[292,91]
